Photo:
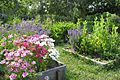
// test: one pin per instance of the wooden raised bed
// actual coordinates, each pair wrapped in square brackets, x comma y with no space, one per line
[56,73]
[102,63]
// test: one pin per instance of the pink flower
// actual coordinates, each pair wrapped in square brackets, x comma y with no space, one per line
[17,54]
[25,44]
[20,60]
[23,55]
[8,58]
[41,55]
[10,36]
[27,51]
[43,36]
[13,76]
[22,67]
[4,38]
[36,35]
[3,44]
[31,70]
[24,74]
[26,64]
[33,62]
[10,54]
[3,62]
[6,54]
[16,58]
[17,64]
[37,55]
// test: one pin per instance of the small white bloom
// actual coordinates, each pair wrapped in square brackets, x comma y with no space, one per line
[37,42]
[50,44]
[54,54]
[43,43]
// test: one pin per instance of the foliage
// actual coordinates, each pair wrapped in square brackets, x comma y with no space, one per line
[101,42]
[28,56]
[59,31]
[61,10]
[113,19]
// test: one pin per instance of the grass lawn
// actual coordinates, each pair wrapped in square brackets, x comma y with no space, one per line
[80,69]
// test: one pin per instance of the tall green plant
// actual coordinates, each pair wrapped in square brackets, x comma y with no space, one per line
[102,42]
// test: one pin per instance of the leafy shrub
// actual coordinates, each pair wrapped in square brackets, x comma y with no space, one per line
[101,42]
[113,19]
[59,31]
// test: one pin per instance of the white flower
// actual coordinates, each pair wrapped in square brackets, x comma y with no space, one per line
[41,43]
[49,40]
[38,42]
[50,44]
[54,54]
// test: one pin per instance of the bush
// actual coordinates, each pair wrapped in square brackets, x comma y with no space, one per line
[59,31]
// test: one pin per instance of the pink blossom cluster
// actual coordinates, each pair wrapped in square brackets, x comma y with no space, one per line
[28,54]
[16,63]
[30,39]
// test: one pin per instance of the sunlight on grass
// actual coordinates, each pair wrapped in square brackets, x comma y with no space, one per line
[80,69]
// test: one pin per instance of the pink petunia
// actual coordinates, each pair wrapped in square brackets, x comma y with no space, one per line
[23,55]
[33,62]
[9,58]
[25,44]
[11,54]
[24,74]
[23,67]
[3,62]
[20,60]
[31,70]
[3,44]
[17,64]
[26,64]
[4,38]
[16,58]
[17,54]
[10,36]
[13,76]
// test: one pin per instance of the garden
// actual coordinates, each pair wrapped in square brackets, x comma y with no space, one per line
[59,39]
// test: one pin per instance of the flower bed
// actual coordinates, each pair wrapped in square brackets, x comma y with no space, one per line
[22,57]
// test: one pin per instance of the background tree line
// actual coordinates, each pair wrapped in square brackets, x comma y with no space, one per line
[60,10]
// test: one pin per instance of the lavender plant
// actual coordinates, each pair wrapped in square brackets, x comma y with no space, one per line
[73,35]
[28,27]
